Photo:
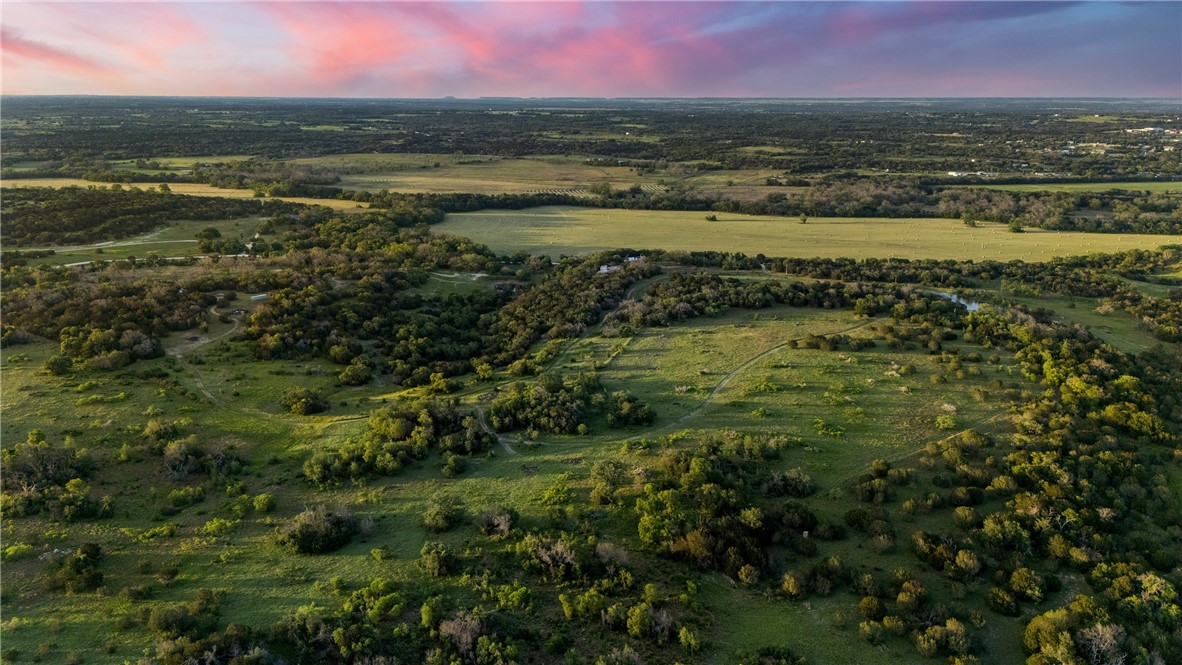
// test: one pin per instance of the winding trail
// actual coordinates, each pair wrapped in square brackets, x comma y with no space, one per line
[180,351]
[500,439]
[706,401]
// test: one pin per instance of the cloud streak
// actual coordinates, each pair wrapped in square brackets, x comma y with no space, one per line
[403,49]
[29,51]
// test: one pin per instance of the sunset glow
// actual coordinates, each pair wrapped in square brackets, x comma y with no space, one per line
[601,49]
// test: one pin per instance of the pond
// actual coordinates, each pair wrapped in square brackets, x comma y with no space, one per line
[971,305]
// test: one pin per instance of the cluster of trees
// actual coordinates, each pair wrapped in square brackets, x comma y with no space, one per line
[394,437]
[110,316]
[703,506]
[1094,213]
[41,476]
[76,215]
[568,300]
[412,337]
[690,295]
[1084,460]
[561,405]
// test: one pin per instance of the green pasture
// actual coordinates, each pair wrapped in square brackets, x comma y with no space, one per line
[1117,327]
[177,238]
[558,230]
[493,175]
[225,397]
[440,173]
[393,161]
[770,388]
[445,284]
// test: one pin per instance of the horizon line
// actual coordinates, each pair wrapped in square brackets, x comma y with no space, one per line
[589,98]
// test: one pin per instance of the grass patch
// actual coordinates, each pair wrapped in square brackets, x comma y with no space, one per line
[558,230]
[1118,328]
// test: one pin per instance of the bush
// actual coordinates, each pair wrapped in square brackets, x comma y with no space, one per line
[317,530]
[435,559]
[1000,601]
[264,503]
[946,421]
[356,374]
[186,496]
[442,513]
[77,571]
[17,552]
[496,522]
[624,409]
[304,402]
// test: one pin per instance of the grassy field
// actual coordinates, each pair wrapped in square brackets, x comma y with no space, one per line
[192,189]
[561,230]
[420,172]
[174,240]
[736,372]
[219,393]
[1170,187]
[1118,328]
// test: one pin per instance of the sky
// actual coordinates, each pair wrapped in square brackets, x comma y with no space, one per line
[593,49]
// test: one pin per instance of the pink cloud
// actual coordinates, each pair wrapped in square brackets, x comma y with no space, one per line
[158,31]
[12,43]
[577,48]
[587,48]
[340,44]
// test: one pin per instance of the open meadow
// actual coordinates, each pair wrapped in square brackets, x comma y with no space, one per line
[438,173]
[175,239]
[558,230]
[732,373]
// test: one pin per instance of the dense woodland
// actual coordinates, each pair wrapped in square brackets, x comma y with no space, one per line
[802,137]
[1064,525]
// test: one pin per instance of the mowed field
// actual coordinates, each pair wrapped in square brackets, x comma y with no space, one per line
[482,174]
[1152,186]
[175,239]
[191,189]
[558,230]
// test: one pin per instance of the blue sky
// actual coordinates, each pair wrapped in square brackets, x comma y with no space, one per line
[599,49]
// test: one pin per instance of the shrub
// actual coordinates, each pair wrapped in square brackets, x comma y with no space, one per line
[496,521]
[356,374]
[871,631]
[17,552]
[1000,601]
[186,496]
[435,559]
[304,402]
[318,530]
[264,503]
[77,571]
[442,513]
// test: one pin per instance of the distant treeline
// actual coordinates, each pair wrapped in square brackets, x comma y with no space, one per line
[77,215]
[795,138]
